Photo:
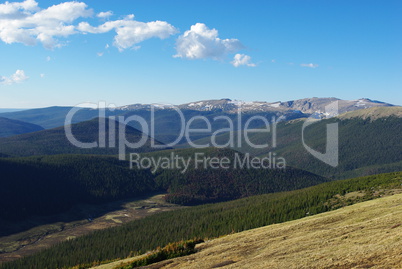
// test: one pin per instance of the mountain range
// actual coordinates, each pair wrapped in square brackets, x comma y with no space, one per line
[51,117]
[42,173]
[168,122]
[306,106]
[369,140]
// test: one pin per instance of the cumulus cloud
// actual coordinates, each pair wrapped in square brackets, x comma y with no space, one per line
[242,59]
[310,65]
[200,42]
[130,32]
[104,15]
[26,23]
[18,77]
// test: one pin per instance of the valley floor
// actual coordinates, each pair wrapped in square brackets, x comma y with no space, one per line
[364,235]
[43,236]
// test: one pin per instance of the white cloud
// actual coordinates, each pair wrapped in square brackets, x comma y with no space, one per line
[200,42]
[104,15]
[100,54]
[242,59]
[130,32]
[26,23]
[310,65]
[18,77]
[12,10]
[48,58]
[42,75]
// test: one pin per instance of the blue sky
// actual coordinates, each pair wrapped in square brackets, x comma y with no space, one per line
[182,51]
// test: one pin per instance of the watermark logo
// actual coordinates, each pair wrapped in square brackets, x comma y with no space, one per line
[113,129]
[331,155]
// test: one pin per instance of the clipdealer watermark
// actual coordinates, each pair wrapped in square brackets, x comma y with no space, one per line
[115,137]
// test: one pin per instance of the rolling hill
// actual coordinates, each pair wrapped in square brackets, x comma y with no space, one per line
[54,141]
[50,117]
[10,127]
[373,113]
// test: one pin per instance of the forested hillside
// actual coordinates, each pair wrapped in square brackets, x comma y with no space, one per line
[48,185]
[208,221]
[10,127]
[197,185]
[42,185]
[54,141]
[368,145]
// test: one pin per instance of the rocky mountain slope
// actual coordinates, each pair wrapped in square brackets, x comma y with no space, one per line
[307,105]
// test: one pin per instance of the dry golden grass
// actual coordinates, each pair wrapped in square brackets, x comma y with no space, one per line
[365,235]
[373,113]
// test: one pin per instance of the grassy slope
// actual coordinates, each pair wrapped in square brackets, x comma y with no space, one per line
[366,235]
[208,221]
[373,113]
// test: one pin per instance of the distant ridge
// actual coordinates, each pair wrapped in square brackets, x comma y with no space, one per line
[306,105]
[9,127]
[373,113]
[51,117]
[5,110]
[54,141]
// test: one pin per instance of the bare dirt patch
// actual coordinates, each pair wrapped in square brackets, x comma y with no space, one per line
[91,218]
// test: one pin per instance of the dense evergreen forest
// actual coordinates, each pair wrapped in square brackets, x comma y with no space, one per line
[199,185]
[43,185]
[366,146]
[206,221]
[54,141]
[52,184]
